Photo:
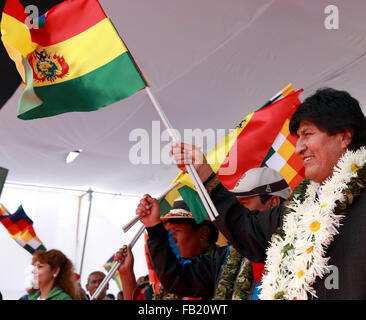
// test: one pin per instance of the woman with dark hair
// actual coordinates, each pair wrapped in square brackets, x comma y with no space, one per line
[54,278]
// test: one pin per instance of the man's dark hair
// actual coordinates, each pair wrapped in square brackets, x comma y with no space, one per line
[332,111]
[265,197]
[93,273]
[213,234]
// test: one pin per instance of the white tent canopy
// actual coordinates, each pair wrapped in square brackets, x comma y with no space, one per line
[209,63]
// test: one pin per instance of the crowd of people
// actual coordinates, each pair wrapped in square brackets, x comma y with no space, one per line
[279,245]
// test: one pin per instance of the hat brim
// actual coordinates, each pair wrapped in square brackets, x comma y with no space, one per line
[174,217]
[284,194]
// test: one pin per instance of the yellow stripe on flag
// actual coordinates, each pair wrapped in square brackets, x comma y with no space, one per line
[215,158]
[16,56]
[2,210]
[16,235]
[26,236]
[16,34]
[84,52]
[285,130]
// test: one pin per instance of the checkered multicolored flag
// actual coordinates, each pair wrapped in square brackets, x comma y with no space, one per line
[20,227]
[116,277]
[282,157]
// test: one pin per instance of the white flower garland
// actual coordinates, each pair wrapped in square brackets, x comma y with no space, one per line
[294,262]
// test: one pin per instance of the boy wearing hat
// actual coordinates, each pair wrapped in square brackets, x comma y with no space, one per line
[223,274]
[188,239]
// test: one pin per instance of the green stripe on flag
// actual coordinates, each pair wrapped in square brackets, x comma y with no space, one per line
[194,203]
[114,81]
[165,207]
[118,281]
[29,249]
[41,248]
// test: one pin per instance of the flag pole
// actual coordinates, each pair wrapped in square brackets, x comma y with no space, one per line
[285,91]
[90,193]
[202,192]
[116,265]
[129,225]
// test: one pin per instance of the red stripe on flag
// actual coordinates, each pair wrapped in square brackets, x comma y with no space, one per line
[153,278]
[258,270]
[292,139]
[257,137]
[295,162]
[7,222]
[13,229]
[31,231]
[295,181]
[15,9]
[22,225]
[67,20]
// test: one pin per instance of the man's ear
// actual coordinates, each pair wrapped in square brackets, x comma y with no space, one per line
[274,202]
[347,138]
[204,232]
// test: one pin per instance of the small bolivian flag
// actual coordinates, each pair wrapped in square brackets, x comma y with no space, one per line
[70,59]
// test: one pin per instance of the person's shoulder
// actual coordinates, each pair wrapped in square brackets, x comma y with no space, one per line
[58,294]
[33,295]
[218,252]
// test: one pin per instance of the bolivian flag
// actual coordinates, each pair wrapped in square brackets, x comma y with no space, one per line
[70,59]
[261,139]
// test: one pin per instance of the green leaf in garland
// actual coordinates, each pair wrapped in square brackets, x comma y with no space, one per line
[279,295]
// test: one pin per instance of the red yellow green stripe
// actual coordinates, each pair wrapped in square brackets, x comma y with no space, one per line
[75,62]
[119,76]
[81,52]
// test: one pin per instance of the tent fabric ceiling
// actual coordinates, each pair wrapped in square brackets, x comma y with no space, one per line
[209,63]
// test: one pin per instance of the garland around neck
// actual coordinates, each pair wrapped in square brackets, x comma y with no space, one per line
[296,255]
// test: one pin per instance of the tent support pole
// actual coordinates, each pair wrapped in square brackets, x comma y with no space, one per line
[90,193]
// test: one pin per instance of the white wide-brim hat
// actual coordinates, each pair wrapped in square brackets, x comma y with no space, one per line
[261,181]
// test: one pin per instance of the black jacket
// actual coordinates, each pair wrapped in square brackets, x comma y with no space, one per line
[194,279]
[250,233]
